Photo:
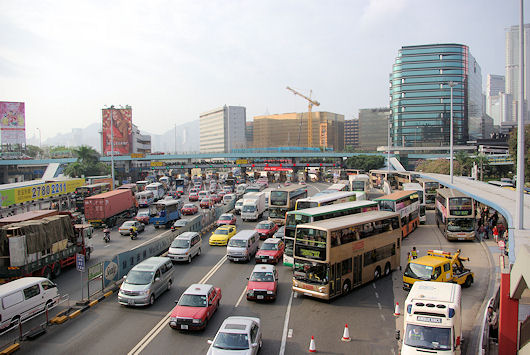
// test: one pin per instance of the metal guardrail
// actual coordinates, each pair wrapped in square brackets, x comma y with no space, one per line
[483,345]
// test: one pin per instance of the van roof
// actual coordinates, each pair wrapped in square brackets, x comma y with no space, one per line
[244,234]
[151,263]
[186,235]
[18,283]
[434,291]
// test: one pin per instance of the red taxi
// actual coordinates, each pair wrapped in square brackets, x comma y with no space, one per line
[271,251]
[266,229]
[195,307]
[262,283]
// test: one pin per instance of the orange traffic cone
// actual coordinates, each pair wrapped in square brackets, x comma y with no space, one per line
[312,347]
[396,310]
[346,334]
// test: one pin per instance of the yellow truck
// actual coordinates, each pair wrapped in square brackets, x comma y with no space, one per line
[439,266]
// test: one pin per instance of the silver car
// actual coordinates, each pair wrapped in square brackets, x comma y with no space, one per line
[241,335]
[185,246]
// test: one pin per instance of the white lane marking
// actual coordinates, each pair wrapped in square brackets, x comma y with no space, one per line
[241,297]
[285,325]
[383,317]
[158,328]
[373,284]
[290,333]
[379,305]
[376,295]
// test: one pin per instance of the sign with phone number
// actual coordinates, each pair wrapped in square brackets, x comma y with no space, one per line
[39,191]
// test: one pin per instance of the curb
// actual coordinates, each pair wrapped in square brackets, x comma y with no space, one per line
[10,349]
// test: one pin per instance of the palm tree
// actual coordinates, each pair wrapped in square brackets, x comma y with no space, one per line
[86,155]
[464,162]
[482,161]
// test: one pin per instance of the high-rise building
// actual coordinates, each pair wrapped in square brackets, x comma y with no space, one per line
[420,95]
[373,127]
[223,129]
[495,85]
[290,130]
[512,66]
[351,133]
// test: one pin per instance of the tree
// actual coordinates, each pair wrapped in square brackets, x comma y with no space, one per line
[464,163]
[482,161]
[365,162]
[87,163]
[512,145]
[33,151]
[436,166]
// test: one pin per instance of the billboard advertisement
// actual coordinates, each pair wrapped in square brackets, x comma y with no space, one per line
[12,123]
[121,130]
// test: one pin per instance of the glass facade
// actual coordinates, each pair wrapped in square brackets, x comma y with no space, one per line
[420,95]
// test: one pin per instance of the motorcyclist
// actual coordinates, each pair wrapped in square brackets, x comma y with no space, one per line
[106,234]
[133,233]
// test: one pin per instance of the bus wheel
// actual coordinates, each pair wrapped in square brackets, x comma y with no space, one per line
[387,269]
[346,287]
[377,273]
[469,281]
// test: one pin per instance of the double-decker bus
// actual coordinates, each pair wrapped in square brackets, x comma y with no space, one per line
[359,183]
[283,200]
[167,212]
[407,204]
[325,199]
[405,177]
[85,191]
[378,177]
[429,191]
[310,215]
[340,186]
[414,186]
[455,214]
[334,256]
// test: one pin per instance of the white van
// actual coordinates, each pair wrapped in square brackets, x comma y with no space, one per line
[228,198]
[25,297]
[242,246]
[185,246]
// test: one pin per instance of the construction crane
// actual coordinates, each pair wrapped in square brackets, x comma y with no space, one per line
[309,118]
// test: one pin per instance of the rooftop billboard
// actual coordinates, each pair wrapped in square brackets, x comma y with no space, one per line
[122,130]
[12,123]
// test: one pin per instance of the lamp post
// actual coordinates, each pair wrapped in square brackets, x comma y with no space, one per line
[112,145]
[451,85]
[519,212]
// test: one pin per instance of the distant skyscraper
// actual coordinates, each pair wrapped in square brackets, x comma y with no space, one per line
[420,95]
[351,133]
[223,129]
[495,85]
[373,127]
[512,66]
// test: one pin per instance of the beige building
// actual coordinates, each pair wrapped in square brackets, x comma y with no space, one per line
[290,130]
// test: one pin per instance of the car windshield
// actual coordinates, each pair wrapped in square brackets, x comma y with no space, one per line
[192,301]
[262,276]
[139,277]
[143,214]
[127,225]
[431,338]
[231,341]
[418,271]
[249,208]
[222,231]
[189,205]
[239,203]
[180,244]
[262,226]
[238,243]
[269,246]
[225,217]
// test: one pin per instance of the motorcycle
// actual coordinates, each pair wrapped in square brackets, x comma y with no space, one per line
[106,235]
[134,234]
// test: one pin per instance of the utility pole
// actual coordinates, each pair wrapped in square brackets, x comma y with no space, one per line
[112,145]
[519,213]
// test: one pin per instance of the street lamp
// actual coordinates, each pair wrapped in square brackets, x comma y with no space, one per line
[451,84]
[112,145]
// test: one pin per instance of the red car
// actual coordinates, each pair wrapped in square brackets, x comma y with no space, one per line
[143,217]
[206,203]
[262,283]
[271,251]
[193,196]
[189,209]
[266,229]
[226,218]
[195,307]
[216,198]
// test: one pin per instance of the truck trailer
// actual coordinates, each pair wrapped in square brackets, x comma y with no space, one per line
[108,207]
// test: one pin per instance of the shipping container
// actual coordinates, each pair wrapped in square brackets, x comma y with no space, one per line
[108,207]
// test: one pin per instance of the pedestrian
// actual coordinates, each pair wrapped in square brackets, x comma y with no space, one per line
[495,232]
[408,257]
[501,229]
[493,322]
[414,253]
[495,218]
[482,232]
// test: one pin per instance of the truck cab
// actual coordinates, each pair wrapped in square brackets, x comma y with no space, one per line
[438,266]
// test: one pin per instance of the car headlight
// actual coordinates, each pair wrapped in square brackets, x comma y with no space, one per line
[270,293]
[145,292]
[196,321]
[173,319]
[295,283]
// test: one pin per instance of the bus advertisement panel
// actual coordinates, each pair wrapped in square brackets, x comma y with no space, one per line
[455,215]
[310,215]
[334,256]
[407,204]
[13,194]
[414,186]
[283,200]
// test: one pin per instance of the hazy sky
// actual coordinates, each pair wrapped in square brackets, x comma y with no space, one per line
[172,60]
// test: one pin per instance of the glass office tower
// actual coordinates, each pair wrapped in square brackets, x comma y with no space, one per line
[420,95]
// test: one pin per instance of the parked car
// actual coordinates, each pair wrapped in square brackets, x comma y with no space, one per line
[189,209]
[206,203]
[125,228]
[226,218]
[142,217]
[195,307]
[193,196]
[179,224]
[237,334]
[262,283]
[271,251]
[222,235]
[266,229]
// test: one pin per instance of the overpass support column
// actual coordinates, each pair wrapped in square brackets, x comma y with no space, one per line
[5,175]
[508,317]
[294,178]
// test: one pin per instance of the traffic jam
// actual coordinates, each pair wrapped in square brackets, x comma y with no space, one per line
[325,244]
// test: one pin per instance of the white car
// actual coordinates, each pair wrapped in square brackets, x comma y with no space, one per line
[241,335]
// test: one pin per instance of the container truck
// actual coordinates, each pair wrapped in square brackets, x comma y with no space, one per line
[27,216]
[108,207]
[433,319]
[42,247]
[253,206]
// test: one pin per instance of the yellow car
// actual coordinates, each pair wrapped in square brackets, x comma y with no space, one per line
[222,235]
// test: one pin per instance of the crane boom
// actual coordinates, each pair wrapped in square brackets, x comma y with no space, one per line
[309,118]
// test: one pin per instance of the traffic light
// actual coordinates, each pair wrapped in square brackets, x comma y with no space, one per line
[253,165]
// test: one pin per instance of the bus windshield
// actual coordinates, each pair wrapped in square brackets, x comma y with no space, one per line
[424,337]
[357,185]
[278,198]
[311,272]
[460,224]
[305,204]
[277,212]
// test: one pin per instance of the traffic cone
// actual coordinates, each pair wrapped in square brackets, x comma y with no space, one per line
[396,310]
[312,347]
[346,334]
